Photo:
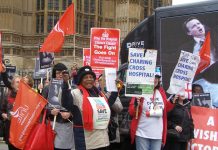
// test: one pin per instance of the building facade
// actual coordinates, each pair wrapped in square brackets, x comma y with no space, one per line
[26,23]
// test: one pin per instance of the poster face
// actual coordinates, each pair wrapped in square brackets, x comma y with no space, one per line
[40,73]
[86,56]
[11,70]
[141,72]
[46,59]
[105,45]
[174,36]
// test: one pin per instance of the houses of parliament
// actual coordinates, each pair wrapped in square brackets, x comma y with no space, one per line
[26,23]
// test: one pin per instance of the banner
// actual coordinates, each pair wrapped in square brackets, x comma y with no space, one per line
[11,70]
[141,72]
[1,52]
[46,60]
[26,111]
[206,129]
[184,72]
[86,56]
[101,112]
[105,45]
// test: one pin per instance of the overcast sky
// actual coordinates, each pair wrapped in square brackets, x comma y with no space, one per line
[177,2]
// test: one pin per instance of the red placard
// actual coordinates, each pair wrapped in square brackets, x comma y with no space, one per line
[98,72]
[105,46]
[206,128]
[86,56]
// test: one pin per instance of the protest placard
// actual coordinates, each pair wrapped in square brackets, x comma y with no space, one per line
[110,77]
[86,56]
[141,72]
[201,99]
[105,45]
[46,60]
[40,73]
[11,70]
[101,112]
[54,94]
[205,129]
[184,72]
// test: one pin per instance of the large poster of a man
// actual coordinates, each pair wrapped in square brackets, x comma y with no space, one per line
[191,31]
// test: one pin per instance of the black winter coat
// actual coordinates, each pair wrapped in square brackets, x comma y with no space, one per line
[181,115]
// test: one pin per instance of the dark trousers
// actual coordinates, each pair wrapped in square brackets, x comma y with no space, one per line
[11,147]
[175,145]
[103,148]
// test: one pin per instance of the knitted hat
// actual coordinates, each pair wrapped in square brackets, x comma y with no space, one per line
[58,67]
[84,71]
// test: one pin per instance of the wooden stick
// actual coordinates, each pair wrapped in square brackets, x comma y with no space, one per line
[137,112]
[47,74]
[40,90]
[54,122]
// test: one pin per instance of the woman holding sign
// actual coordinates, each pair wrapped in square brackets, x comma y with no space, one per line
[180,122]
[90,110]
[149,123]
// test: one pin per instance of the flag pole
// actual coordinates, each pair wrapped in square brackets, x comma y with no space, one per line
[74,36]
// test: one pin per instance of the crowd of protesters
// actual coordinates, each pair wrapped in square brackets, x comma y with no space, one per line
[152,117]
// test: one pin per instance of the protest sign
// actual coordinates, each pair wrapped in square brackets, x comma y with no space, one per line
[141,72]
[40,73]
[201,99]
[86,56]
[46,60]
[54,94]
[206,129]
[101,112]
[27,109]
[11,70]
[110,77]
[97,72]
[105,45]
[184,72]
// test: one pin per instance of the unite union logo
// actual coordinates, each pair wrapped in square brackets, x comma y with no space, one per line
[20,113]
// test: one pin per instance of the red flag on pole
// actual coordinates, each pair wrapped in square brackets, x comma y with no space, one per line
[27,108]
[204,55]
[65,26]
[1,68]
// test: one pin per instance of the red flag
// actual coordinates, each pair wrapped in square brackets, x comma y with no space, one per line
[204,55]
[65,26]
[27,108]
[1,68]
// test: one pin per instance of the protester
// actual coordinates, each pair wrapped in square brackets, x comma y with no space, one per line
[116,108]
[8,101]
[180,119]
[88,135]
[64,132]
[147,129]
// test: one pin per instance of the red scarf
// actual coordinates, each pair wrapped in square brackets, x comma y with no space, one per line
[87,109]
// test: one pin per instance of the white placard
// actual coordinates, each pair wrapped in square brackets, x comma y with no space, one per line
[184,72]
[110,77]
[101,112]
[141,72]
